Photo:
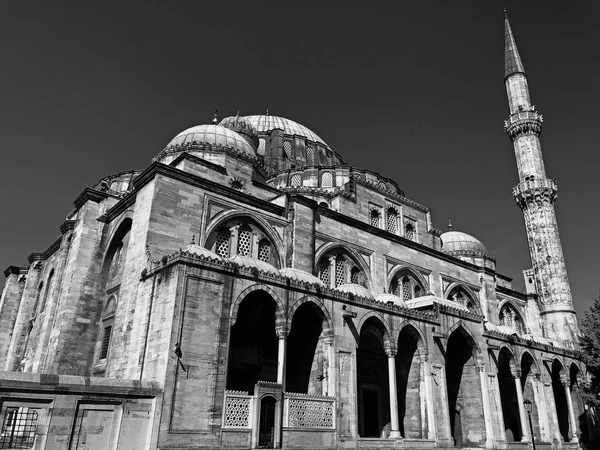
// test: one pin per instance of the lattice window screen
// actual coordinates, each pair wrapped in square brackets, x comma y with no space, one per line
[354,275]
[310,413]
[375,218]
[392,220]
[264,250]
[287,148]
[244,246]
[105,341]
[222,243]
[324,272]
[406,289]
[327,180]
[262,145]
[296,180]
[237,412]
[395,287]
[310,155]
[19,428]
[340,271]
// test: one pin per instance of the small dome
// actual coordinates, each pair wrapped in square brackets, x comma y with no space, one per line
[267,123]
[456,242]
[489,326]
[428,301]
[247,261]
[241,126]
[355,289]
[201,136]
[386,298]
[299,275]
[195,249]
[506,330]
[536,338]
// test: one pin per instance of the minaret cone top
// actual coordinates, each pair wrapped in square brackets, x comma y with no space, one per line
[512,60]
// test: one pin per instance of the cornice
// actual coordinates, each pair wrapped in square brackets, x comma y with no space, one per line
[67,225]
[91,195]
[511,293]
[46,253]
[14,270]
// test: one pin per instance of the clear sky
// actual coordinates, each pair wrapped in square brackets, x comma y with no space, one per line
[413,90]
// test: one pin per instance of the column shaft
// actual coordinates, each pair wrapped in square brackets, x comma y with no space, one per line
[522,413]
[331,373]
[281,354]
[572,420]
[395,432]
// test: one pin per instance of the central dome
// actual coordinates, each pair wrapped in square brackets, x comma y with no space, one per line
[267,123]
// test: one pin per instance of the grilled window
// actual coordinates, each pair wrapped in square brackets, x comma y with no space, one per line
[244,246]
[222,243]
[406,286]
[264,250]
[375,218]
[327,180]
[296,180]
[392,220]
[287,148]
[262,144]
[355,275]
[19,428]
[310,155]
[324,272]
[105,341]
[340,271]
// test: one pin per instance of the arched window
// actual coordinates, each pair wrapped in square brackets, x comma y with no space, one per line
[324,272]
[296,180]
[287,149]
[108,317]
[340,270]
[222,242]
[327,180]
[409,230]
[406,286]
[264,250]
[244,246]
[392,220]
[375,217]
[355,275]
[262,144]
[462,297]
[115,264]
[310,155]
[510,318]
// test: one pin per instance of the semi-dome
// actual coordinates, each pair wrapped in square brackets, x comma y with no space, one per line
[266,123]
[243,127]
[202,136]
[356,289]
[386,298]
[247,261]
[457,242]
[299,275]
[195,249]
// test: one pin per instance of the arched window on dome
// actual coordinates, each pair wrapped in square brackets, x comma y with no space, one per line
[242,236]
[336,268]
[310,156]
[510,318]
[287,149]
[460,295]
[296,180]
[392,220]
[406,285]
[262,146]
[326,180]
[375,218]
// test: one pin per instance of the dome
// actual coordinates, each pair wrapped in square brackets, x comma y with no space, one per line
[428,301]
[267,123]
[355,289]
[211,135]
[247,261]
[241,126]
[195,249]
[456,242]
[386,298]
[299,275]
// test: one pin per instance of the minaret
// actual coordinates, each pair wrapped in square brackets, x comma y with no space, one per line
[535,194]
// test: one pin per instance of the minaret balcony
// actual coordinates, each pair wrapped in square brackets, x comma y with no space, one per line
[528,190]
[524,122]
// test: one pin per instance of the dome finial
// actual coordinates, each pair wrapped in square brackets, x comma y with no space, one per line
[450,224]
[267,111]
[215,120]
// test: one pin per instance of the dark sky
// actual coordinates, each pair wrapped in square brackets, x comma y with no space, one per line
[413,90]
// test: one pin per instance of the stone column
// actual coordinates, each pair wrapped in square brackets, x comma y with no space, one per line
[395,431]
[485,398]
[572,421]
[540,401]
[331,372]
[281,355]
[426,393]
[526,435]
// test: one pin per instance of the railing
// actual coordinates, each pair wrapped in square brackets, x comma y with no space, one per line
[536,184]
[238,407]
[308,411]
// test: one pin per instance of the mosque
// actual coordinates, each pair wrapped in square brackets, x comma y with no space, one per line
[249,289]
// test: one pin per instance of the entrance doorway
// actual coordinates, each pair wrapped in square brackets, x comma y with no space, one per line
[266,427]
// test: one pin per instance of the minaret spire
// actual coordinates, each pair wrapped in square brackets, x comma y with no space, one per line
[536,194]
[512,59]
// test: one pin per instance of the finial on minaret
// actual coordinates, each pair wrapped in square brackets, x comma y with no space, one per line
[512,59]
[215,120]
[449,224]
[193,239]
[267,111]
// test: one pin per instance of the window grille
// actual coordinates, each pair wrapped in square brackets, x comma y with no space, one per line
[222,243]
[264,250]
[105,341]
[340,271]
[262,144]
[418,291]
[19,428]
[244,246]
[287,148]
[327,180]
[406,289]
[310,155]
[354,275]
[409,230]
[375,218]
[296,180]
[395,287]
[392,220]
[324,272]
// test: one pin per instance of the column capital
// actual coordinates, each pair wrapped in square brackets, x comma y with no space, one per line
[390,351]
[329,339]
[423,355]
[281,331]
[516,373]
[479,364]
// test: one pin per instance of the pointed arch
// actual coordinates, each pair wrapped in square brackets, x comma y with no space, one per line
[414,329]
[327,319]
[398,269]
[344,249]
[526,357]
[461,327]
[235,306]
[384,327]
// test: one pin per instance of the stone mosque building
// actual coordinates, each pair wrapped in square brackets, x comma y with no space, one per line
[249,289]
